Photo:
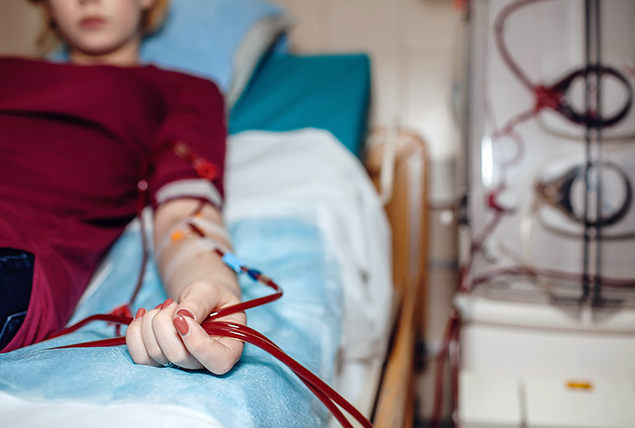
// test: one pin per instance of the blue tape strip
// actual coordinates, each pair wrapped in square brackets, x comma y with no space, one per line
[233,262]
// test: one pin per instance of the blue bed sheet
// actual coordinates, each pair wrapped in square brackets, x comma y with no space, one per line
[291,92]
[259,391]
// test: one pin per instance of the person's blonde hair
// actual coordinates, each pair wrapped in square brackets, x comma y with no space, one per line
[49,36]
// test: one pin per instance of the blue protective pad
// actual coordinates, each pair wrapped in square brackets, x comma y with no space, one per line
[259,391]
[291,92]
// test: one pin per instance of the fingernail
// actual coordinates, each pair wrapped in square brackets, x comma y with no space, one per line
[186,313]
[181,325]
[167,303]
[141,312]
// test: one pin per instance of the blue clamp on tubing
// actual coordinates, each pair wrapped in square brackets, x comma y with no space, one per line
[254,274]
[233,262]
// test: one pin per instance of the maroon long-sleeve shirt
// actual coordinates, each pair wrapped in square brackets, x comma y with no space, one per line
[73,142]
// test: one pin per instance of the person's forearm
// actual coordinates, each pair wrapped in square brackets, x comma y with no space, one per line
[182,260]
[196,277]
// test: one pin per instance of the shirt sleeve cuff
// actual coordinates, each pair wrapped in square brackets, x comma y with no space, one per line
[192,188]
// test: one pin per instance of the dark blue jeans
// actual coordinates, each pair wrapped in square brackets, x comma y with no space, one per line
[16,280]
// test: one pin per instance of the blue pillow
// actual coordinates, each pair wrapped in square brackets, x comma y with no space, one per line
[222,40]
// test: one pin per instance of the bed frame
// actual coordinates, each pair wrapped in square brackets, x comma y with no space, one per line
[408,216]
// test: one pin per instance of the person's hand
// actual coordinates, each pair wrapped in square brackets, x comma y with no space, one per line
[171,333]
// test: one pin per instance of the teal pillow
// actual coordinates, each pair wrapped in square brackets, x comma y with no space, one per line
[291,92]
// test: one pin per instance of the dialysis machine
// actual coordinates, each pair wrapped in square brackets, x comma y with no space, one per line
[547,289]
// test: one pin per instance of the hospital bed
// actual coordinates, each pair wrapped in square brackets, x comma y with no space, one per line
[319,229]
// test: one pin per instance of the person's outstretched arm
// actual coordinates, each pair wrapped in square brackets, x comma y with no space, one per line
[199,283]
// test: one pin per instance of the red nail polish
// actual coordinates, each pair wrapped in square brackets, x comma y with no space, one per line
[186,313]
[159,306]
[141,312]
[181,325]
[167,303]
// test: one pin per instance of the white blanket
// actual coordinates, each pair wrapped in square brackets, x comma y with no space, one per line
[309,173]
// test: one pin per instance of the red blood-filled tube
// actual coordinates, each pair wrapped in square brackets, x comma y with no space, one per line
[329,397]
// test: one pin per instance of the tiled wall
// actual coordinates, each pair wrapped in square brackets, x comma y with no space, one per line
[19,27]
[413,46]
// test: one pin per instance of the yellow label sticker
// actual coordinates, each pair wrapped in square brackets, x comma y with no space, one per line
[580,385]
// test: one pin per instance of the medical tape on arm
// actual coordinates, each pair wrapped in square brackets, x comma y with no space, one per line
[210,227]
[190,248]
[181,230]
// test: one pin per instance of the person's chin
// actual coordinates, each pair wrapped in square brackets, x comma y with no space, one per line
[98,49]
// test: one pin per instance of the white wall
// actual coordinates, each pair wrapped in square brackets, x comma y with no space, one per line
[412,44]
[19,27]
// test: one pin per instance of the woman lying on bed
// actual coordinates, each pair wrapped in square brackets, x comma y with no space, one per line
[74,142]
